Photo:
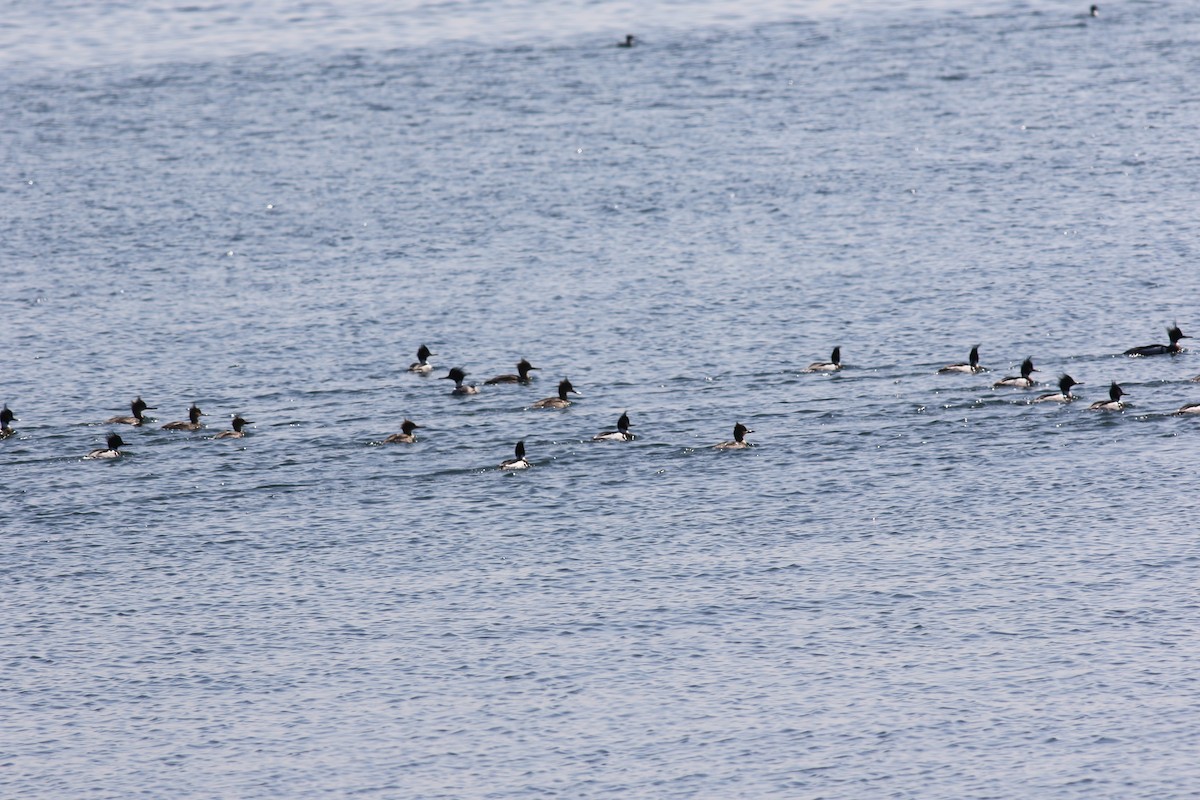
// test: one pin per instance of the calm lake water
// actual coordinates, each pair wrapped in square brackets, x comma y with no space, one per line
[913,586]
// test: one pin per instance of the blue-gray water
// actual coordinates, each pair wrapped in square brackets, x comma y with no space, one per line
[914,586]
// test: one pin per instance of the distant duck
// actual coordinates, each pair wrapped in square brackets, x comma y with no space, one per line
[1063,395]
[1022,382]
[519,462]
[1113,403]
[630,40]
[406,436]
[236,433]
[739,439]
[6,420]
[1161,349]
[457,375]
[193,423]
[564,387]
[113,450]
[422,365]
[621,434]
[1190,408]
[137,407]
[832,365]
[1094,11]
[522,375]
[971,366]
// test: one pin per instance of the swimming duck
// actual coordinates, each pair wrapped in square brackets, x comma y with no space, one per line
[193,423]
[1190,408]
[1161,349]
[971,366]
[1063,395]
[422,364]
[832,365]
[564,386]
[457,375]
[621,434]
[519,462]
[522,375]
[113,451]
[236,433]
[406,436]
[1022,382]
[6,420]
[137,407]
[739,439]
[1094,11]
[630,39]
[1113,403]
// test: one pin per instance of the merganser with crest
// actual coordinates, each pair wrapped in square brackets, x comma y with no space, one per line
[137,407]
[193,423]
[457,375]
[519,462]
[630,39]
[972,365]
[1063,395]
[406,435]
[522,375]
[621,434]
[832,365]
[564,387]
[6,420]
[422,365]
[1022,382]
[739,439]
[113,451]
[237,432]
[1161,349]
[1113,403]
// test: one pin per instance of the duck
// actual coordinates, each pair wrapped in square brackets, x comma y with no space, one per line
[1190,408]
[193,423]
[564,387]
[6,420]
[621,434]
[457,374]
[1022,382]
[739,439]
[1113,403]
[1094,11]
[519,462]
[422,365]
[1063,395]
[405,436]
[112,451]
[137,407]
[630,40]
[522,375]
[1161,349]
[237,432]
[832,365]
[972,365]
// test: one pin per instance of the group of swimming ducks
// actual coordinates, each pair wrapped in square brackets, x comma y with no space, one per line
[422,366]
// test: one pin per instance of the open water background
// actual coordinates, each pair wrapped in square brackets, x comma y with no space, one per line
[914,586]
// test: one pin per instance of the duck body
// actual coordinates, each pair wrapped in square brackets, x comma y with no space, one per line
[113,450]
[458,375]
[138,406]
[971,367]
[192,424]
[630,41]
[1161,349]
[522,376]
[519,462]
[6,419]
[1063,395]
[422,365]
[739,439]
[237,432]
[561,401]
[1022,381]
[1190,408]
[832,365]
[621,434]
[406,435]
[1113,403]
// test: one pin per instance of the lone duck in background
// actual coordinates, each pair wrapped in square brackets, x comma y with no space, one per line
[236,433]
[113,451]
[137,407]
[1022,382]
[739,439]
[621,434]
[1113,403]
[405,436]
[457,375]
[972,365]
[193,423]
[519,462]
[564,387]
[522,375]
[832,365]
[1063,395]
[6,420]
[1161,349]
[1094,11]
[630,39]
[422,365]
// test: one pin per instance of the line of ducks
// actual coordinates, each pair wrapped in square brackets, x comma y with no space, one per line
[422,366]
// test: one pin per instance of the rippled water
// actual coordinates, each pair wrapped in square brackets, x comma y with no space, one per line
[914,585]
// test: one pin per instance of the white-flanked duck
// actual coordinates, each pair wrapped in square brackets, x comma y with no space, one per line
[621,434]
[422,364]
[1161,349]
[739,439]
[972,365]
[193,423]
[564,388]
[832,365]
[6,420]
[1113,403]
[457,374]
[406,435]
[112,451]
[1023,381]
[519,462]
[522,375]
[1063,395]
[237,432]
